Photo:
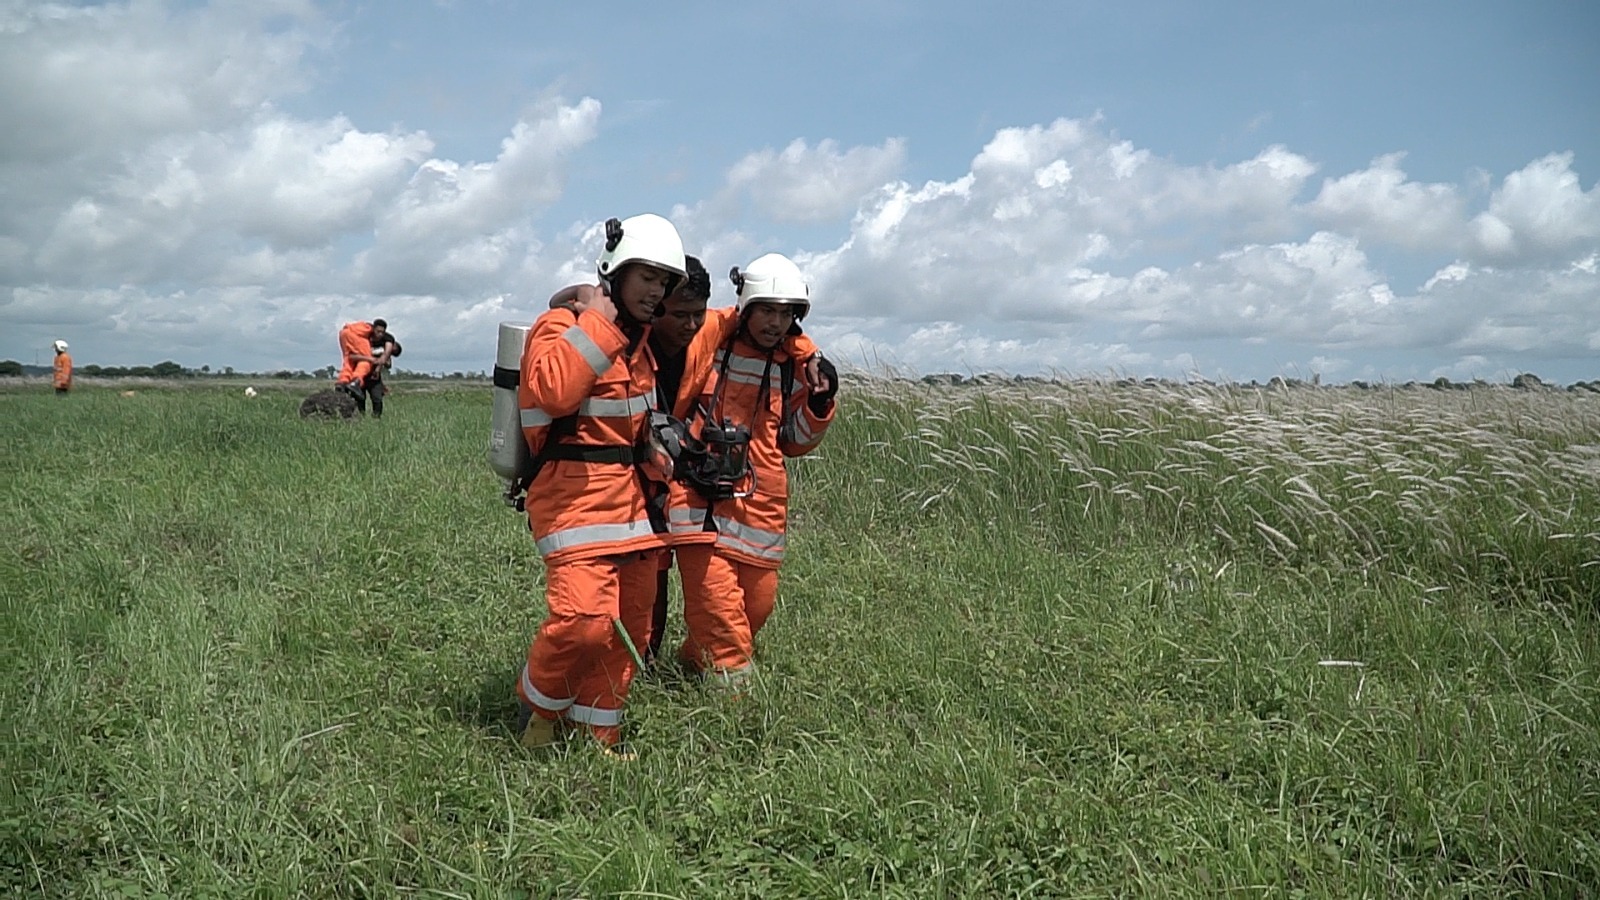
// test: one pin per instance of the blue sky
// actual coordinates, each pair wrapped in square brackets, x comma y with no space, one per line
[1380,191]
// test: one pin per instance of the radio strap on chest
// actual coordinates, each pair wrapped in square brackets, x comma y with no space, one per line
[782,430]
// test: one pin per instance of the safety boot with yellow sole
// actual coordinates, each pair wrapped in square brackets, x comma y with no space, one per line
[539,733]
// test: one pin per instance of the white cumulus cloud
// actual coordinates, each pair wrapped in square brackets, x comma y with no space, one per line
[801,183]
[1379,202]
[1539,214]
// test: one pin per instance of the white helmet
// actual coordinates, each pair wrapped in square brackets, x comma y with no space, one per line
[773,278]
[645,238]
[61,346]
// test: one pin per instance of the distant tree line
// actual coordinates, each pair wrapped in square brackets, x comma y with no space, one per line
[170,369]
[1527,381]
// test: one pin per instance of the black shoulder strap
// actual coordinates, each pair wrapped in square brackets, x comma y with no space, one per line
[560,428]
[710,413]
[785,431]
[722,377]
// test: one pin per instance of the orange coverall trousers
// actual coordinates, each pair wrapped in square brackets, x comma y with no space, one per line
[578,667]
[725,603]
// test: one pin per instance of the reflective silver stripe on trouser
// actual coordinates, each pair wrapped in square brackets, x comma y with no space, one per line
[754,541]
[541,699]
[628,407]
[733,678]
[594,715]
[587,348]
[687,519]
[583,535]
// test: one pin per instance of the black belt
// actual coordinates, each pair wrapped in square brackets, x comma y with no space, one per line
[597,453]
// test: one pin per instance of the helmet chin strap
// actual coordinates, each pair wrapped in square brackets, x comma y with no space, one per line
[631,327]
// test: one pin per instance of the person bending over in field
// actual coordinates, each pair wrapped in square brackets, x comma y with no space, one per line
[596,508]
[357,361]
[385,347]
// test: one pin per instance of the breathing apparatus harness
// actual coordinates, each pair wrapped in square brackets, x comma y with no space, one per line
[718,464]
[653,456]
[718,468]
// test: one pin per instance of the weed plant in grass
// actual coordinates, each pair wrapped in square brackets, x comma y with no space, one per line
[1082,640]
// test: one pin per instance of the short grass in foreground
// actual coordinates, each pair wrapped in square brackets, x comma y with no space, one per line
[1054,641]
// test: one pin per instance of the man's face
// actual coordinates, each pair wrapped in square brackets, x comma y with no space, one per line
[679,322]
[767,323]
[642,287]
[378,331]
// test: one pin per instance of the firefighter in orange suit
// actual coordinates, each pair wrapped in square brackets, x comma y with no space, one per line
[681,361]
[586,388]
[355,350]
[685,340]
[769,378]
[63,368]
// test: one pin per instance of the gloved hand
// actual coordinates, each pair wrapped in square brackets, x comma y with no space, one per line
[824,384]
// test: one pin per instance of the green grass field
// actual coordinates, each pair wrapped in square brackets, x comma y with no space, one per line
[1084,640]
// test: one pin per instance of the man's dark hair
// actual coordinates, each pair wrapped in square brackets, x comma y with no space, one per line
[379,323]
[697,286]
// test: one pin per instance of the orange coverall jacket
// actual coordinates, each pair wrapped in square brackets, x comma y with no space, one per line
[751,529]
[63,372]
[355,339]
[580,363]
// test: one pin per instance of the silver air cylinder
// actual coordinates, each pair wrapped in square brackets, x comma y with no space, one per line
[508,451]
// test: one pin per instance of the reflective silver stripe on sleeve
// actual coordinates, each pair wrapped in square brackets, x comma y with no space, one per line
[631,406]
[593,715]
[593,406]
[587,348]
[540,699]
[754,541]
[802,428]
[584,535]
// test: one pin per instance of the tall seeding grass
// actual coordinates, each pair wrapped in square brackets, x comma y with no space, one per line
[1084,639]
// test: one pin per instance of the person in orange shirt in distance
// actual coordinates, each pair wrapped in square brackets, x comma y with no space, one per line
[63,368]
